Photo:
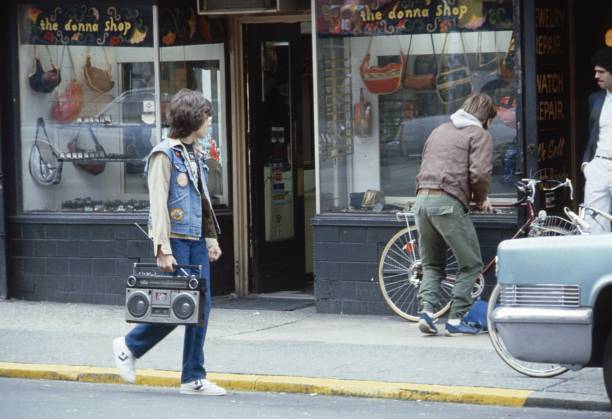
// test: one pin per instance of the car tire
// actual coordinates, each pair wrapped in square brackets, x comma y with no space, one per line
[607,365]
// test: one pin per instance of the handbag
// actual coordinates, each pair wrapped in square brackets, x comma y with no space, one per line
[68,103]
[362,116]
[42,81]
[383,80]
[487,62]
[44,164]
[88,157]
[506,70]
[418,81]
[97,79]
[453,84]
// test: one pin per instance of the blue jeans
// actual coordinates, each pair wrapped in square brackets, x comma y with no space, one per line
[144,336]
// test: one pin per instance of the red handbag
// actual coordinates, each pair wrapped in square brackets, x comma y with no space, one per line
[68,103]
[383,80]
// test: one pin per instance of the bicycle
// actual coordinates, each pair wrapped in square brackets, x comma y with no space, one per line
[530,368]
[400,269]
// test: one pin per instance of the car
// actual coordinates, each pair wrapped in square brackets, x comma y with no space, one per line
[556,301]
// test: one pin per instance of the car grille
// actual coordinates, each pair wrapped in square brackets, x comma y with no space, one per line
[540,295]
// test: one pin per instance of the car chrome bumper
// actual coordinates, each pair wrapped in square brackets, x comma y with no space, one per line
[553,335]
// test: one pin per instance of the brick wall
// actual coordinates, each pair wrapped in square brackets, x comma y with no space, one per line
[88,263]
[346,253]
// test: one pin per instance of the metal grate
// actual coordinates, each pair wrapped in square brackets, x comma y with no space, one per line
[540,295]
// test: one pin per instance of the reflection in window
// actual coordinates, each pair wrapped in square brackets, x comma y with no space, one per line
[201,68]
[380,97]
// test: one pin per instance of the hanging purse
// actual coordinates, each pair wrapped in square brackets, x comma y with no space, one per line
[488,62]
[417,81]
[68,103]
[383,80]
[362,116]
[88,155]
[506,70]
[42,81]
[97,79]
[43,163]
[453,84]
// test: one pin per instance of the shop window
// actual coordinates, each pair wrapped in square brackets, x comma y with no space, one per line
[90,113]
[201,68]
[388,76]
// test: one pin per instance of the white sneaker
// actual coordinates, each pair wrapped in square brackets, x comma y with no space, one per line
[203,387]
[124,360]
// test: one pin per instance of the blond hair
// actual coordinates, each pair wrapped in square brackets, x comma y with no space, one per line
[481,106]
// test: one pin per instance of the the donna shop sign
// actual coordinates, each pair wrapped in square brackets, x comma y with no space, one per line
[86,24]
[388,17]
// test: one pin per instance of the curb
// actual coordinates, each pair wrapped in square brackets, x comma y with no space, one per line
[307,385]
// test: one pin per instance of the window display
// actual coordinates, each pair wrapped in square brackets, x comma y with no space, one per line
[410,68]
[89,105]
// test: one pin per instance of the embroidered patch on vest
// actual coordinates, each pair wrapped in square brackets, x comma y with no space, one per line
[182,179]
[177,214]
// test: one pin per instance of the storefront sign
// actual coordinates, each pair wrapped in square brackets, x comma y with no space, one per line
[552,87]
[389,17]
[81,24]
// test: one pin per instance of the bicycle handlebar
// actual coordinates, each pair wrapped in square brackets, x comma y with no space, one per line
[527,188]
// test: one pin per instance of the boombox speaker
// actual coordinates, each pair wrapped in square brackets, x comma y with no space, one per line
[152,296]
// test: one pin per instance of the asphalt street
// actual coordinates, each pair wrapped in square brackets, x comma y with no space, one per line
[34,399]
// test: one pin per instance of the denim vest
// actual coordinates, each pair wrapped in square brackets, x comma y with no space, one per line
[184,199]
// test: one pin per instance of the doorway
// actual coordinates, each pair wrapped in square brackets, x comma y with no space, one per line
[281,156]
[592,31]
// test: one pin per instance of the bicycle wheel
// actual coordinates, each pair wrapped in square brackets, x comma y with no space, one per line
[531,369]
[400,275]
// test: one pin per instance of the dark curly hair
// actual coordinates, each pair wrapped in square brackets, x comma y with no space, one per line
[603,58]
[187,112]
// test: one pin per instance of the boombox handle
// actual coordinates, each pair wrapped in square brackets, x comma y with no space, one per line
[178,267]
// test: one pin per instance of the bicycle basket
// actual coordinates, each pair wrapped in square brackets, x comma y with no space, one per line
[551,225]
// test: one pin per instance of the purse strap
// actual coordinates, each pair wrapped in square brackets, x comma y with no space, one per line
[40,124]
[465,57]
[95,138]
[71,62]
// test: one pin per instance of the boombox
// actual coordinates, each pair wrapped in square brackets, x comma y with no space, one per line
[152,296]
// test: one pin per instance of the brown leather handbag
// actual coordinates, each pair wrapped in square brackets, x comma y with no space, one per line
[97,79]
[88,159]
[417,81]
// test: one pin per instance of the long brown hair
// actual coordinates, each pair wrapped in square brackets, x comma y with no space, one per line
[187,112]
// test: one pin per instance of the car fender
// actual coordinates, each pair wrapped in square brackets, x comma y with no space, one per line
[598,285]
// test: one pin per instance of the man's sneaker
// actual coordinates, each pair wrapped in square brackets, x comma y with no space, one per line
[426,324]
[202,387]
[461,329]
[124,360]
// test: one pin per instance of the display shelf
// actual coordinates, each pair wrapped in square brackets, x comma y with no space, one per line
[98,157]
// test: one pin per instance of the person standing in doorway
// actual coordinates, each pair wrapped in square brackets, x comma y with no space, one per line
[184,230]
[456,170]
[597,159]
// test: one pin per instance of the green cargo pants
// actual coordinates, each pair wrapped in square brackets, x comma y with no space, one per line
[443,223]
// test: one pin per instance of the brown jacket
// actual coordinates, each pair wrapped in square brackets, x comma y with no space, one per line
[458,161]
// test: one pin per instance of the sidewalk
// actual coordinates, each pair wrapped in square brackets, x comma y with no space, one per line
[291,351]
